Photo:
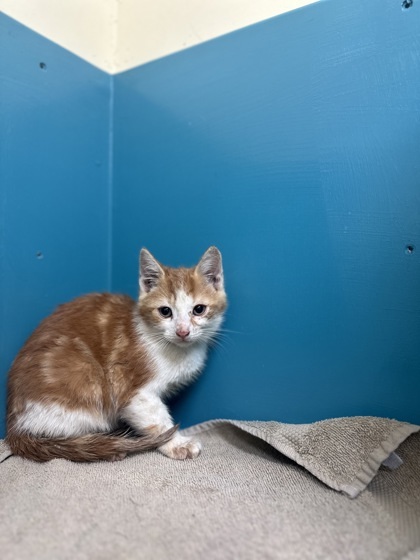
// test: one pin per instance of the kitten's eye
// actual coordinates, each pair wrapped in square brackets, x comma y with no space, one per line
[165,312]
[199,309]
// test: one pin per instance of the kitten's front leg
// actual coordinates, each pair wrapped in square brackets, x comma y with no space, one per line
[147,413]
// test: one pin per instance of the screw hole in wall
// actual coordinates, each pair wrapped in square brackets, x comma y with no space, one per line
[39,255]
[409,249]
[42,65]
[407,4]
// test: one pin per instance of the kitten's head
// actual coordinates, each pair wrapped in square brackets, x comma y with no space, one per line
[182,305]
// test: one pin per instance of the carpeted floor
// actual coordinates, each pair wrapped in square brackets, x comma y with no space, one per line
[241,499]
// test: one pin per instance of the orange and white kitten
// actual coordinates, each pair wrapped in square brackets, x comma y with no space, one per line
[105,360]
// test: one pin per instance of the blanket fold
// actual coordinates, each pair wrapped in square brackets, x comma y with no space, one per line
[344,453]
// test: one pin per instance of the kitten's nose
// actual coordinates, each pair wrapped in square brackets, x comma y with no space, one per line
[182,333]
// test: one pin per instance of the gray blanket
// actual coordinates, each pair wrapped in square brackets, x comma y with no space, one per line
[259,490]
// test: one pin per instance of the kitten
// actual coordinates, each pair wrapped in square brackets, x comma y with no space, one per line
[103,360]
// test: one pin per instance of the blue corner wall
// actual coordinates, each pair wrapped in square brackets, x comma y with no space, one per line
[293,145]
[54,183]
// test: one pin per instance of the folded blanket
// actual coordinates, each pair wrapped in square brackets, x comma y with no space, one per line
[344,453]
[251,494]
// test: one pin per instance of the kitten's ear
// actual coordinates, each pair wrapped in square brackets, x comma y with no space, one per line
[210,266]
[150,271]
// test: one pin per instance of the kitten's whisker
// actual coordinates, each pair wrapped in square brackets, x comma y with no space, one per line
[217,345]
[214,334]
[216,338]
[223,330]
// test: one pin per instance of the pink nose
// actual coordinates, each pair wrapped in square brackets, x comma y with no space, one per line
[182,333]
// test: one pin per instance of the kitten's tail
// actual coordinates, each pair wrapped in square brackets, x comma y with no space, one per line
[86,448]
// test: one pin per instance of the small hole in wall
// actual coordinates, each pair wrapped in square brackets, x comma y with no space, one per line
[407,4]
[39,255]
[409,249]
[42,65]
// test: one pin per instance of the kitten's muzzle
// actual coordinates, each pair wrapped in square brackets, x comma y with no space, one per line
[183,333]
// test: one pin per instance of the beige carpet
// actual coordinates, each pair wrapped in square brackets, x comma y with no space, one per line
[241,499]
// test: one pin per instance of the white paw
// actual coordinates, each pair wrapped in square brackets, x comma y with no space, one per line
[118,457]
[181,448]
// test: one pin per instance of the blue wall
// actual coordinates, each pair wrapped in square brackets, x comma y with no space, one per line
[294,146]
[54,183]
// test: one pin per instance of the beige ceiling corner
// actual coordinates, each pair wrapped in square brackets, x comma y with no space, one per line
[86,28]
[116,35]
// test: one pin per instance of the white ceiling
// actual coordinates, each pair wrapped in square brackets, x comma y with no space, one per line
[116,35]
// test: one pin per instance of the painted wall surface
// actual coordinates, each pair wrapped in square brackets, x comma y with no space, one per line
[116,35]
[54,183]
[293,145]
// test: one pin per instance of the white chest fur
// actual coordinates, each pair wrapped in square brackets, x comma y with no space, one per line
[174,366]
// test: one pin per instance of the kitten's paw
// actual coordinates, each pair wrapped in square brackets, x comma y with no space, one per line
[181,448]
[118,457]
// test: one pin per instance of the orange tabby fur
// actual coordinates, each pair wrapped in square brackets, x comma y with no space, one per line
[95,359]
